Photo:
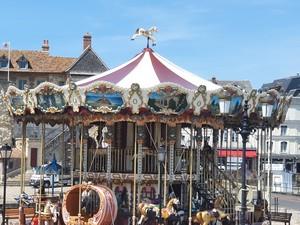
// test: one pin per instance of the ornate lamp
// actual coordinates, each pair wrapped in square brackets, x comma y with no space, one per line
[161,158]
[267,110]
[224,104]
[5,154]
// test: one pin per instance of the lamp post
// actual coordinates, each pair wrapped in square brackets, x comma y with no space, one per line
[5,153]
[161,159]
[267,110]
[245,131]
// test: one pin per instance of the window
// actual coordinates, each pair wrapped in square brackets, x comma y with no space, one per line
[22,62]
[61,83]
[283,130]
[283,146]
[39,82]
[3,62]
[21,84]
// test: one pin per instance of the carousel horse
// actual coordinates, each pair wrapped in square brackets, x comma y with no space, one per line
[51,210]
[148,211]
[209,216]
[146,33]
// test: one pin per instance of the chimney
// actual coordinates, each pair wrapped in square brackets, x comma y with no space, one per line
[45,46]
[87,40]
[214,80]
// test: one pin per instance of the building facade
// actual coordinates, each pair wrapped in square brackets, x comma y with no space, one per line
[29,68]
[286,139]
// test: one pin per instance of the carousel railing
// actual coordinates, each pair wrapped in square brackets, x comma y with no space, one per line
[57,141]
[122,160]
[215,182]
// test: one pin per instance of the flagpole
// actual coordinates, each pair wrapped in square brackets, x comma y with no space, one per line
[8,63]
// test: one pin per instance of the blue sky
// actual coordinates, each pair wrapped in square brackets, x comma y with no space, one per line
[256,40]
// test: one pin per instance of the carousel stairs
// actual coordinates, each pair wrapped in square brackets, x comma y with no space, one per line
[214,182]
[56,143]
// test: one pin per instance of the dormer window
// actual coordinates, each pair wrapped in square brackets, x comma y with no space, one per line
[23,63]
[3,61]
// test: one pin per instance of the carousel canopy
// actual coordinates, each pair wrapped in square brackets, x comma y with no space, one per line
[149,69]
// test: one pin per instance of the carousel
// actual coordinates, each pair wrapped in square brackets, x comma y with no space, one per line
[144,139]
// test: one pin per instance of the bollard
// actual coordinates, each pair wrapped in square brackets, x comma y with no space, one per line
[21,216]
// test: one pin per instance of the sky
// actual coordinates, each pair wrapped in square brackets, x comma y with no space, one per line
[256,40]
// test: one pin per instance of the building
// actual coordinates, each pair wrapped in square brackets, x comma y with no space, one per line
[33,67]
[286,139]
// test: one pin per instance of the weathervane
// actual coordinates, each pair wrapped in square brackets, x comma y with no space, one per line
[149,34]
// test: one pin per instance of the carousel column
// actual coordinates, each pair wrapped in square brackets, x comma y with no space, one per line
[72,154]
[172,140]
[199,139]
[191,174]
[21,209]
[85,154]
[42,185]
[140,141]
[109,139]
[215,152]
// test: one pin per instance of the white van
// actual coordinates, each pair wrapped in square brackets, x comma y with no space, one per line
[49,179]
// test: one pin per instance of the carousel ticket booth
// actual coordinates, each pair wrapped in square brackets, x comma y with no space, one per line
[126,127]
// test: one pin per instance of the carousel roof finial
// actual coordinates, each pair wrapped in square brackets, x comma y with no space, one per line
[149,34]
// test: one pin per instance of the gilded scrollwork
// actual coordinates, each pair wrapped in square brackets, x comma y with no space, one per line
[73,95]
[200,100]
[15,100]
[30,99]
[135,98]
[283,106]
[252,101]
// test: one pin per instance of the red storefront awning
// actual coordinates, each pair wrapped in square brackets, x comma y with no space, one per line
[250,153]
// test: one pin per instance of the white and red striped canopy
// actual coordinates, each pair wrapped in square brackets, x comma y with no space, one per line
[149,69]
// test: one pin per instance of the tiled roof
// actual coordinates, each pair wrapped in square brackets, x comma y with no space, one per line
[284,85]
[245,84]
[38,61]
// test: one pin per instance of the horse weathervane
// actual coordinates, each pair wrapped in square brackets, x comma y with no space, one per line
[149,34]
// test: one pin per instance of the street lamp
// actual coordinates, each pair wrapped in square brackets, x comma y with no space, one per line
[161,159]
[5,154]
[245,131]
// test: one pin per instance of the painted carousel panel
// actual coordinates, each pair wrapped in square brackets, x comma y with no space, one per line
[49,102]
[163,102]
[17,103]
[99,102]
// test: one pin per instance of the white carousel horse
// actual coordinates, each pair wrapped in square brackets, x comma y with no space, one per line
[51,210]
[146,209]
[146,33]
